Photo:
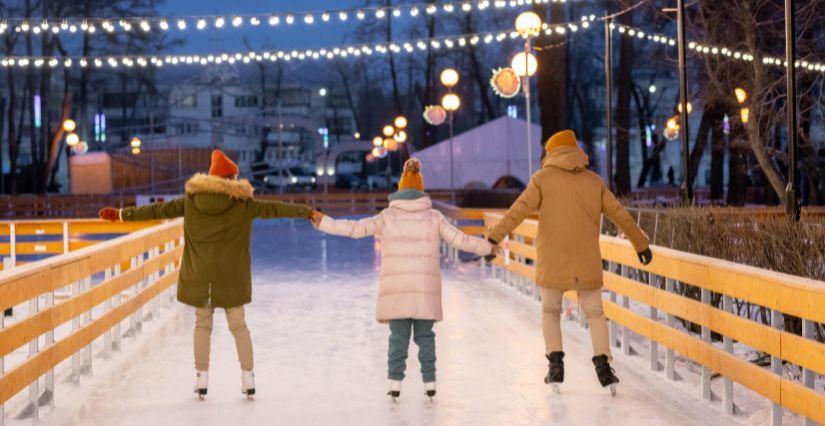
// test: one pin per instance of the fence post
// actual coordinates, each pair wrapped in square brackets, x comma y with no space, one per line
[653,314]
[670,321]
[87,319]
[808,375]
[611,326]
[32,410]
[707,392]
[776,367]
[107,306]
[48,394]
[625,330]
[6,265]
[727,346]
[75,377]
[118,297]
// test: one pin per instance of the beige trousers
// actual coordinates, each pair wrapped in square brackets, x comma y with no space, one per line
[591,303]
[237,325]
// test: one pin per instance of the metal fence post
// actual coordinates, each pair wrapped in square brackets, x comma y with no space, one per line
[653,314]
[808,375]
[776,367]
[133,318]
[625,330]
[118,297]
[670,321]
[727,346]
[107,306]
[611,326]
[87,319]
[707,392]
[32,410]
[6,265]
[75,376]
[48,393]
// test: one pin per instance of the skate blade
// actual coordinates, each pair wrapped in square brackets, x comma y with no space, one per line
[201,394]
[556,389]
[612,390]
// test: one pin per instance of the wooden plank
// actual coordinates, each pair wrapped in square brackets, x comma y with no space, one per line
[790,347]
[43,247]
[101,227]
[28,371]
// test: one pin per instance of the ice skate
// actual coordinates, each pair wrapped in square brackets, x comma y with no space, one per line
[248,384]
[430,387]
[395,390]
[201,383]
[555,373]
[605,373]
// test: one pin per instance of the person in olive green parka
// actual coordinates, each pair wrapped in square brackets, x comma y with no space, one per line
[218,210]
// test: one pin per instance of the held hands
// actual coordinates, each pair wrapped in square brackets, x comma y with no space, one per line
[315,217]
[109,214]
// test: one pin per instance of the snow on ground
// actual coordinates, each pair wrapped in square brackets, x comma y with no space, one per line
[321,358]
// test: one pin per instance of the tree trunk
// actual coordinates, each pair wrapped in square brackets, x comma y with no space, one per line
[551,76]
[717,167]
[622,118]
[737,166]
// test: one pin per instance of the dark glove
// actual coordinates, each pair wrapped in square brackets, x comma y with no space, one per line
[490,257]
[110,214]
[645,256]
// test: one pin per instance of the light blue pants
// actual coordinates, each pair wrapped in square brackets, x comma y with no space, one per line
[423,336]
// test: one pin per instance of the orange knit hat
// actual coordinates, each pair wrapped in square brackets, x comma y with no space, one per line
[222,165]
[411,178]
[562,138]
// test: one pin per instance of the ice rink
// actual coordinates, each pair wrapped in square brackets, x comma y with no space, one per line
[321,357]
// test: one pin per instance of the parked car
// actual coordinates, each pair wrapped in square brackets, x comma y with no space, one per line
[291,177]
[382,182]
[349,181]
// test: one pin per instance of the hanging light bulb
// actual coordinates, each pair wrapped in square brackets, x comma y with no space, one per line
[400,122]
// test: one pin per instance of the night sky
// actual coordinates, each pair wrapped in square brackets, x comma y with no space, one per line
[298,35]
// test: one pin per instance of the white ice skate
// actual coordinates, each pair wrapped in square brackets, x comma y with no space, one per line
[430,387]
[395,389]
[248,384]
[201,383]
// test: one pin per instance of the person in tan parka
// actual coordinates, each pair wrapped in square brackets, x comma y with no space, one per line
[570,200]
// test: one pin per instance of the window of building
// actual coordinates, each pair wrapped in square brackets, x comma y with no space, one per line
[246,101]
[217,106]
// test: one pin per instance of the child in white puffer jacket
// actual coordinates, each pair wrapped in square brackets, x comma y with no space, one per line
[409,291]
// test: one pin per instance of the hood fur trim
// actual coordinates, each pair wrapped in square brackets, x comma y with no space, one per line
[239,189]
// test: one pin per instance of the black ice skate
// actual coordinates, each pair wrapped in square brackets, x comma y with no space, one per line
[555,373]
[605,373]
[430,387]
[201,383]
[395,390]
[248,384]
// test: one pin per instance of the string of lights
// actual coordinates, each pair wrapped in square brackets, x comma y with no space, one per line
[717,50]
[367,49]
[146,24]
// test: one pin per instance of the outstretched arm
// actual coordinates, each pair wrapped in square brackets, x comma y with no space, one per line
[458,239]
[613,210]
[352,228]
[164,210]
[274,209]
[528,202]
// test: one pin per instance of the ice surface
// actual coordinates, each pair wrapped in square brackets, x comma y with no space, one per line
[321,358]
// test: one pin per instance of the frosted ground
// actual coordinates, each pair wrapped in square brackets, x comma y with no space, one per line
[321,358]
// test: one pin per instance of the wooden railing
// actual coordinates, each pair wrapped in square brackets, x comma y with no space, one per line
[111,281]
[654,287]
[53,236]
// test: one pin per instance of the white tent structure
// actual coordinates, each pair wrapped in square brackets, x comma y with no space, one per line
[482,155]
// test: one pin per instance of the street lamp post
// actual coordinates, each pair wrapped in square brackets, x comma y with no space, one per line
[686,191]
[449,78]
[528,25]
[791,201]
[608,87]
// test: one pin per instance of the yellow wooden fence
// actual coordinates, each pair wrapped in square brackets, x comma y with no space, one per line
[112,281]
[782,294]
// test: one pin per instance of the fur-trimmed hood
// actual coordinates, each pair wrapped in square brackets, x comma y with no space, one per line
[214,195]
[239,189]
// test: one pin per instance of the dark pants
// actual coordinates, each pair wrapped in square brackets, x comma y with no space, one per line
[423,336]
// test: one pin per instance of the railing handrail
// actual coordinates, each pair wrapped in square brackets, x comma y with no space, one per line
[782,293]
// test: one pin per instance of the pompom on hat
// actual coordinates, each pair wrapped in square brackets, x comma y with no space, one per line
[562,138]
[411,178]
[221,165]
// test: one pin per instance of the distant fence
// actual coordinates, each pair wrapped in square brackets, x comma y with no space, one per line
[117,279]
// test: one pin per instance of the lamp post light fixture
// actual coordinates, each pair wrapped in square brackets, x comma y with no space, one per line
[528,25]
[451,102]
[72,139]
[388,130]
[400,122]
[69,125]
[135,142]
[449,77]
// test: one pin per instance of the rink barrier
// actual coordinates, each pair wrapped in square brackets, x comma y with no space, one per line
[54,236]
[627,279]
[130,276]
